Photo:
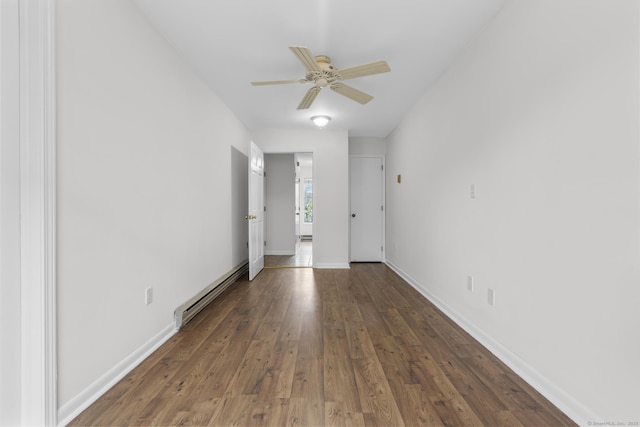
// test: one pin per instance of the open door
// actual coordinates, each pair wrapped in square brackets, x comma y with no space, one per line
[256,210]
[297,212]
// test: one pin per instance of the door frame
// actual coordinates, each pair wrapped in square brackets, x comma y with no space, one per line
[38,209]
[384,201]
[313,174]
[35,181]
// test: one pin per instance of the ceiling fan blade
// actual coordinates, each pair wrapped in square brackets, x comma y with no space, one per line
[309,97]
[364,70]
[351,93]
[276,82]
[304,55]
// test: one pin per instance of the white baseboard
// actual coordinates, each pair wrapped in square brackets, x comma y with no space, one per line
[565,402]
[329,265]
[82,401]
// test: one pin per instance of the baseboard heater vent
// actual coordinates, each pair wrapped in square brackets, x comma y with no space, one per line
[189,309]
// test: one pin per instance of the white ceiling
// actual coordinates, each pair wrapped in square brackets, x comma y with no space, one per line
[233,42]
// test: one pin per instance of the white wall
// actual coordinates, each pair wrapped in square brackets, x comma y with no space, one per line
[331,196]
[541,114]
[280,232]
[360,145]
[145,152]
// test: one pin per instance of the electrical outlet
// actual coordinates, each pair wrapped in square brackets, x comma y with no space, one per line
[472,191]
[491,297]
[148,296]
[470,283]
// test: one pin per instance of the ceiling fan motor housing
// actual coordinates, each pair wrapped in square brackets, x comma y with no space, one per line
[326,76]
[324,62]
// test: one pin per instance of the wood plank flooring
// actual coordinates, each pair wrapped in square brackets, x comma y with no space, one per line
[305,347]
[302,258]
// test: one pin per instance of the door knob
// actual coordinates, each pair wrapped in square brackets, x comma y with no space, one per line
[353,215]
[253,217]
[246,217]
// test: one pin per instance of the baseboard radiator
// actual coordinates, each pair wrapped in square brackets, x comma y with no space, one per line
[189,309]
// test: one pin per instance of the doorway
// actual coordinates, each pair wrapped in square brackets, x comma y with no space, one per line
[289,210]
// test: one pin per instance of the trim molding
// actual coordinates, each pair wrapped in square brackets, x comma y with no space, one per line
[82,401]
[38,212]
[566,403]
[330,265]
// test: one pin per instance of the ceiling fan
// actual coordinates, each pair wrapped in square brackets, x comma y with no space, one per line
[322,73]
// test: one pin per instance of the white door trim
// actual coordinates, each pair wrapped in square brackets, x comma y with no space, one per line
[38,212]
[384,201]
[10,331]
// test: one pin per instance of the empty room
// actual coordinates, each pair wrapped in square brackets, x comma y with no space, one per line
[460,177]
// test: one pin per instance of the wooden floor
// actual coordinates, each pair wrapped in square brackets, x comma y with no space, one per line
[321,348]
[302,258]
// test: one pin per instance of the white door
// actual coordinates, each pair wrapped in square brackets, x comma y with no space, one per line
[297,213]
[256,210]
[366,188]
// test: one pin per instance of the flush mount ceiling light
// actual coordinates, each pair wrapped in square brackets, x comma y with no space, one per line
[320,121]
